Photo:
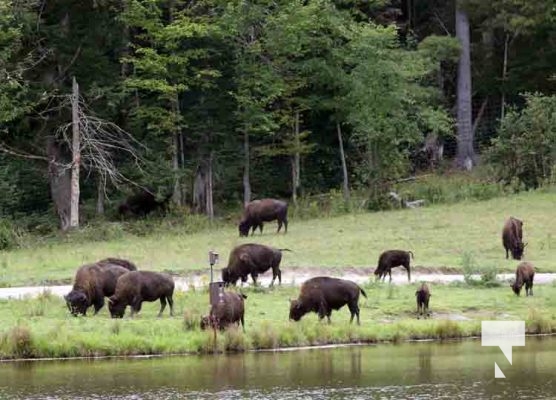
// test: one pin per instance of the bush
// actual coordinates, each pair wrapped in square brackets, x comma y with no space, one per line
[10,235]
[20,341]
[525,149]
[487,272]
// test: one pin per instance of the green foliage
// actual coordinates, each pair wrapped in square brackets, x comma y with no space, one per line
[525,149]
[470,267]
[11,236]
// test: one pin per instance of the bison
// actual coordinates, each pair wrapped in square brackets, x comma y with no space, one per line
[423,295]
[390,259]
[254,259]
[258,211]
[512,238]
[136,287]
[93,282]
[524,275]
[324,294]
[228,310]
[142,204]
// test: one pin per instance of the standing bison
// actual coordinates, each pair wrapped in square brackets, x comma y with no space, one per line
[142,204]
[524,275]
[422,296]
[254,259]
[93,282]
[228,310]
[324,294]
[512,238]
[390,259]
[136,287]
[258,211]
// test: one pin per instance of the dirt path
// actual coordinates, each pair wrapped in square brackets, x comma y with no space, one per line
[294,277]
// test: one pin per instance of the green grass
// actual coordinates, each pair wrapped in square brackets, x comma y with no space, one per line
[440,236]
[43,327]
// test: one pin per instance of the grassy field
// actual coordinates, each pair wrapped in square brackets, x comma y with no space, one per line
[43,327]
[440,236]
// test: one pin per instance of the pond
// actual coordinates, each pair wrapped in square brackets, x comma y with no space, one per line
[456,370]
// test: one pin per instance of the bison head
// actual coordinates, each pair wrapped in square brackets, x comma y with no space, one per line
[517,250]
[116,307]
[228,277]
[296,310]
[515,287]
[77,302]
[244,227]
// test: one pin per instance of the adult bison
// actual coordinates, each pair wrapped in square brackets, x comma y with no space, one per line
[324,294]
[93,282]
[228,310]
[512,238]
[142,204]
[423,296]
[258,211]
[136,287]
[391,259]
[524,275]
[253,259]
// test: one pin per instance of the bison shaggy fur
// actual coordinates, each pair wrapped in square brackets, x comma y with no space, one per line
[142,204]
[93,282]
[391,259]
[423,296]
[258,211]
[324,294]
[512,238]
[524,275]
[252,259]
[136,287]
[228,310]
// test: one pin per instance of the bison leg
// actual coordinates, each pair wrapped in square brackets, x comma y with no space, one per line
[162,305]
[171,303]
[279,226]
[406,266]
[529,289]
[98,304]
[254,277]
[354,310]
[242,323]
[285,225]
[390,274]
[261,228]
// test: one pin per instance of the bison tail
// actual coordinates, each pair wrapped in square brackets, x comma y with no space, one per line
[363,292]
[286,250]
[411,253]
[243,295]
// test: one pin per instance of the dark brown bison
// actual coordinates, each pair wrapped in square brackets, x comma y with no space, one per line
[423,295]
[142,204]
[229,310]
[512,238]
[136,287]
[524,275]
[118,261]
[254,259]
[258,211]
[93,282]
[324,294]
[390,259]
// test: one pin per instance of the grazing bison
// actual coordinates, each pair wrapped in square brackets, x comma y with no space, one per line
[390,259]
[254,259]
[229,310]
[118,261]
[524,275]
[324,294]
[93,282]
[512,238]
[136,287]
[143,203]
[258,211]
[423,295]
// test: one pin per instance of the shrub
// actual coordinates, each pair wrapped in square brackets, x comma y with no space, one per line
[10,235]
[448,330]
[487,272]
[21,341]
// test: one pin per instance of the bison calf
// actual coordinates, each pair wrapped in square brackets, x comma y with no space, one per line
[228,310]
[258,211]
[423,295]
[93,282]
[324,294]
[512,238]
[391,259]
[253,259]
[524,275]
[136,287]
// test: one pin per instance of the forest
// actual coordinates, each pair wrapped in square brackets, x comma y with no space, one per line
[216,103]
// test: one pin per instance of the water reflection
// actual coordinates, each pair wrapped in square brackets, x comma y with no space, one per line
[412,371]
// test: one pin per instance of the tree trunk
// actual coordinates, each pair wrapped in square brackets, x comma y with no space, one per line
[465,157]
[296,167]
[345,183]
[209,206]
[101,187]
[246,180]
[199,190]
[76,157]
[176,197]
[504,73]
[60,182]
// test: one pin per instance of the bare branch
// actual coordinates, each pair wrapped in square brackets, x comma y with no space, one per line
[4,148]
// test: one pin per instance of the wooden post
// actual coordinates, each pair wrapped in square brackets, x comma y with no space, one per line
[76,156]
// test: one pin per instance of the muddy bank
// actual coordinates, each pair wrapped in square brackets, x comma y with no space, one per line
[296,277]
